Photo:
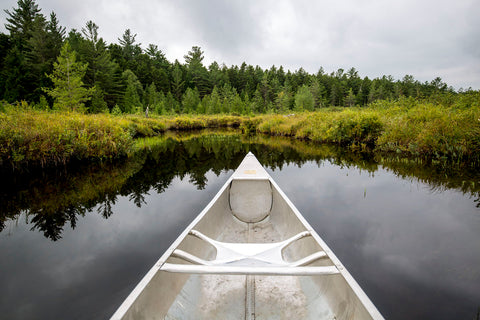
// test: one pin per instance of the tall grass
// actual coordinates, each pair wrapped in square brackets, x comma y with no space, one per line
[356,127]
[448,131]
[443,128]
[32,137]
[54,138]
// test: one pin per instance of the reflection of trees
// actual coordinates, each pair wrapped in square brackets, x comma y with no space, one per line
[438,176]
[53,199]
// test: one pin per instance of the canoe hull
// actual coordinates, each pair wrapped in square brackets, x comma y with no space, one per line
[176,295]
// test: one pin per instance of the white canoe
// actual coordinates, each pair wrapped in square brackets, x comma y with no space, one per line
[249,254]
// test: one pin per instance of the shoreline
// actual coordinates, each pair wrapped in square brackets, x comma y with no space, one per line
[409,128]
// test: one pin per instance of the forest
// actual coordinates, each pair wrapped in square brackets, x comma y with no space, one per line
[74,96]
[126,78]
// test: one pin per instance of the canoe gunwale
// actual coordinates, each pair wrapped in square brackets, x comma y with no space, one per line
[365,300]
[335,270]
[125,306]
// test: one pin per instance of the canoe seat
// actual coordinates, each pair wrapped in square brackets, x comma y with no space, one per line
[249,258]
[251,200]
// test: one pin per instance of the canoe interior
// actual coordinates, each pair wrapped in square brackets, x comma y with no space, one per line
[166,295]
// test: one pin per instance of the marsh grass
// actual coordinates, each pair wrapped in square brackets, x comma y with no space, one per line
[48,138]
[444,128]
[407,126]
[40,138]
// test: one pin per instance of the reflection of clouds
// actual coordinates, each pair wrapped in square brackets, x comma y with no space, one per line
[399,231]
[399,240]
[99,258]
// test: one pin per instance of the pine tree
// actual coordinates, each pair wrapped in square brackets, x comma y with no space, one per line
[304,99]
[177,83]
[318,91]
[19,82]
[191,99]
[130,49]
[21,20]
[68,92]
[350,99]
[197,73]
[133,93]
[98,103]
[43,48]
[102,72]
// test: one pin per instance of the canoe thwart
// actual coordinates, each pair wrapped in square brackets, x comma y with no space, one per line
[248,270]
[270,279]
[253,258]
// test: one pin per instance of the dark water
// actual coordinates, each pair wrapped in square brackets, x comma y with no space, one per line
[76,241]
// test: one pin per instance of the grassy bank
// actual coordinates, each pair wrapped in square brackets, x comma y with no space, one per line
[30,137]
[444,129]
[422,129]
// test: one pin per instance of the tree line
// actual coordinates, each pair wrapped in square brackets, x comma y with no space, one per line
[41,64]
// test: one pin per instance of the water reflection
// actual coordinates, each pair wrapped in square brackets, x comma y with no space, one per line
[53,199]
[79,239]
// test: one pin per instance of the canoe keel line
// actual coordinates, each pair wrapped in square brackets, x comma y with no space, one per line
[248,255]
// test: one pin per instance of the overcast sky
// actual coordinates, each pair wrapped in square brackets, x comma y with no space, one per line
[423,38]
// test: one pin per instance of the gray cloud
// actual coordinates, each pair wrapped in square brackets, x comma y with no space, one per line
[425,38]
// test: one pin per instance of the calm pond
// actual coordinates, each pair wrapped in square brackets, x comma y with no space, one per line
[74,242]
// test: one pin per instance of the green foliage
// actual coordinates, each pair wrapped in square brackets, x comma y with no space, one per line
[304,99]
[408,126]
[46,138]
[28,53]
[42,104]
[98,103]
[116,110]
[68,91]
[190,100]
[249,126]
[132,96]
[101,72]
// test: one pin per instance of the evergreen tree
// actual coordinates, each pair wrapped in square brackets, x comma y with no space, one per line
[151,96]
[43,49]
[214,102]
[258,103]
[217,77]
[350,99]
[68,92]
[191,99]
[304,99]
[284,100]
[102,72]
[133,93]
[56,34]
[21,20]
[130,50]
[196,72]
[157,67]
[319,93]
[19,82]
[5,46]
[171,105]
[98,103]
[237,105]
[178,82]
[154,100]
[265,90]
[159,107]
